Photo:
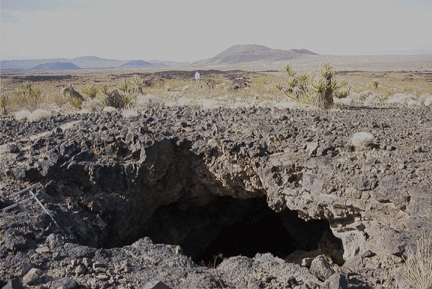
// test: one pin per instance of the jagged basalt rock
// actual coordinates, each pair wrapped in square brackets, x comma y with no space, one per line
[198,181]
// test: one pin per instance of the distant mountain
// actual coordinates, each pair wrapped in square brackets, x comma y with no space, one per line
[238,54]
[136,64]
[56,66]
[89,62]
[28,63]
[86,62]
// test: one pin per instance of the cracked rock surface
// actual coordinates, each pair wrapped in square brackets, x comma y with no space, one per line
[114,186]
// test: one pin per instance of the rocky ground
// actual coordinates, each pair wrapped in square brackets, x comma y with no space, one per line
[221,198]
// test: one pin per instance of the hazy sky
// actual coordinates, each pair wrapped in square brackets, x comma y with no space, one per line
[189,30]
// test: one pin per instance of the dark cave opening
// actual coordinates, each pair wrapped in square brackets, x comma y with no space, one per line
[227,227]
[242,238]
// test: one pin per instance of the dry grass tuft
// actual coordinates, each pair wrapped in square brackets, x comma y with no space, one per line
[417,271]
[129,112]
[92,105]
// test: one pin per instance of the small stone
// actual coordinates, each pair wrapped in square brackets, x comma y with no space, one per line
[368,254]
[81,269]
[32,276]
[57,130]
[102,277]
[253,283]
[390,148]
[336,281]
[321,268]
[12,148]
[42,250]
[86,262]
[65,283]
[312,148]
[99,270]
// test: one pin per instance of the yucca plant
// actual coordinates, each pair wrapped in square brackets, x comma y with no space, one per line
[18,97]
[320,87]
[314,89]
[3,103]
[137,83]
[90,90]
[123,86]
[75,102]
[104,89]
[35,97]
[28,86]
[327,74]
[27,97]
[288,69]
[343,89]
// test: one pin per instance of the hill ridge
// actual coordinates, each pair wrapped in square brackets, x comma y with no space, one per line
[240,53]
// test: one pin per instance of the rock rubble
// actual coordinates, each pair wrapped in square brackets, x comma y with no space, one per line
[138,201]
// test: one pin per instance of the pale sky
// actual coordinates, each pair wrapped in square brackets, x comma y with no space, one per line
[190,30]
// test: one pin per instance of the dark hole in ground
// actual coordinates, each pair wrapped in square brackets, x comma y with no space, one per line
[230,227]
[245,239]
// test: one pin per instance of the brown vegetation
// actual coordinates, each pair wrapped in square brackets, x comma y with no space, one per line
[218,88]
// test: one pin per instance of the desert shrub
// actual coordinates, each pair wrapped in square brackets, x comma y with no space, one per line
[400,98]
[315,89]
[38,114]
[210,104]
[365,94]
[92,105]
[148,101]
[417,269]
[184,101]
[125,94]
[22,114]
